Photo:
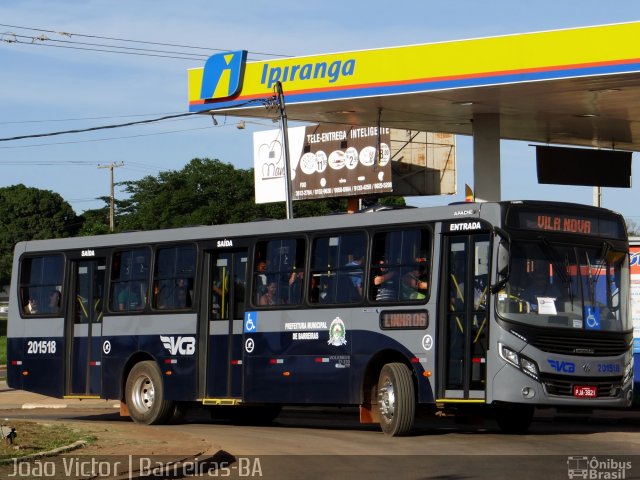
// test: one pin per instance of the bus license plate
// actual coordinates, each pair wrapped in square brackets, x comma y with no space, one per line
[585,392]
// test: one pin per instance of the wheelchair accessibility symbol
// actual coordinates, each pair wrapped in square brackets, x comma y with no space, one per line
[592,318]
[250,322]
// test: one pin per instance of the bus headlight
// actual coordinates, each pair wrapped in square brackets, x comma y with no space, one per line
[509,355]
[529,366]
[522,363]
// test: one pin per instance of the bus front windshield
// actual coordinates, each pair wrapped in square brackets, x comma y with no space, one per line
[560,286]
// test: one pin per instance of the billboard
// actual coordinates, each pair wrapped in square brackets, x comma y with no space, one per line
[353,161]
[634,294]
[326,161]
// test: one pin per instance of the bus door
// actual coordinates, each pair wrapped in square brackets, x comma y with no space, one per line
[464,334]
[221,364]
[84,328]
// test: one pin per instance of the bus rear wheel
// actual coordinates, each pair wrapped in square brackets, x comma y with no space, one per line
[396,399]
[144,394]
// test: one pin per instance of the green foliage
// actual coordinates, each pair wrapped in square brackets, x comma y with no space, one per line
[31,214]
[204,192]
[95,222]
[633,228]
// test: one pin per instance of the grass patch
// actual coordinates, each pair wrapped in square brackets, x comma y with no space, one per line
[38,437]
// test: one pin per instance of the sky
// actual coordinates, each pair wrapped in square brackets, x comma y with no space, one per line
[48,86]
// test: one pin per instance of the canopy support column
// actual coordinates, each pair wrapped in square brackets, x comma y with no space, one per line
[486,156]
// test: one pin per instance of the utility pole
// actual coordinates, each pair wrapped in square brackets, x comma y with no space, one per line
[111,166]
[285,141]
[597,196]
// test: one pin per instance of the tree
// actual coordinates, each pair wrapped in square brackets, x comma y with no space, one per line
[204,192]
[633,229]
[95,222]
[31,214]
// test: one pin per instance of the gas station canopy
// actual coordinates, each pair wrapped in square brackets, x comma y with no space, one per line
[575,87]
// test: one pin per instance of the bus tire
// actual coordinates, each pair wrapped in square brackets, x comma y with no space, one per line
[513,418]
[144,394]
[396,399]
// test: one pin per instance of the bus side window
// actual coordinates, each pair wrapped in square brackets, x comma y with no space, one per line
[173,278]
[278,276]
[399,269]
[130,279]
[41,279]
[336,268]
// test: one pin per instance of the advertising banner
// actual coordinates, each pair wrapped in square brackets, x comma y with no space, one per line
[635,294]
[326,161]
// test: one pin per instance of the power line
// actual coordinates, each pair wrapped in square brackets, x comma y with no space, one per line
[267,102]
[70,34]
[87,118]
[104,50]
[92,129]
[110,138]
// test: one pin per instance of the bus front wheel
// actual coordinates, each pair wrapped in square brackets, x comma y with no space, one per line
[144,394]
[514,418]
[396,399]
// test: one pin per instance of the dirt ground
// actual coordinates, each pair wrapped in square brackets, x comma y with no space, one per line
[129,438]
[121,450]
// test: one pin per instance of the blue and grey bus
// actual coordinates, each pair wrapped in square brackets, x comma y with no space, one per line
[392,312]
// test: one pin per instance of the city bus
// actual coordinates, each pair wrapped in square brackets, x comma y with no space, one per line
[393,313]
[634,269]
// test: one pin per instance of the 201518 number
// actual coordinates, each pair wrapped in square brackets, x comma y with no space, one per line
[41,346]
[608,368]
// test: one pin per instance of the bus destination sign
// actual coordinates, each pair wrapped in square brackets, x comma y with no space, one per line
[404,319]
[564,220]
[563,223]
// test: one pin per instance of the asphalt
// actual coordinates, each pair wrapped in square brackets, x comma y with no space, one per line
[11,399]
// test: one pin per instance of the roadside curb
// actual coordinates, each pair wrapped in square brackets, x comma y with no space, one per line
[12,399]
[50,453]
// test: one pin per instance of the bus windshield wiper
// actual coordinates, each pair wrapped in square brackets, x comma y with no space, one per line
[549,253]
[593,278]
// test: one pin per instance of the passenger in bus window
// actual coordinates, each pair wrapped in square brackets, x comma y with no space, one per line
[295,287]
[385,283]
[130,298]
[220,288]
[54,302]
[260,279]
[32,306]
[270,297]
[414,283]
[182,298]
[355,273]
[314,290]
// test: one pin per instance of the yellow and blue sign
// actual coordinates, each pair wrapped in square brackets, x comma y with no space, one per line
[222,75]
[560,54]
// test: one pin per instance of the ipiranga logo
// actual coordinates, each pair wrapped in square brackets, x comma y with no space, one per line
[222,75]
[307,71]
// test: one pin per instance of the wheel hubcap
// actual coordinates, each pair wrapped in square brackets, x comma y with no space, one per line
[143,394]
[387,400]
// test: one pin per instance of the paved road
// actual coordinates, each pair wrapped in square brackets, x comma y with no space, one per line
[325,443]
[330,443]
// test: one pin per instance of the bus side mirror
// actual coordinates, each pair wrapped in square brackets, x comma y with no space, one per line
[502,262]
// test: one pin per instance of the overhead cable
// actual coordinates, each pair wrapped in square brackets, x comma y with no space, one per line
[70,34]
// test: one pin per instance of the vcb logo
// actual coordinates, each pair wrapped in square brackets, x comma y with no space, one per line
[180,345]
[561,366]
[222,75]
